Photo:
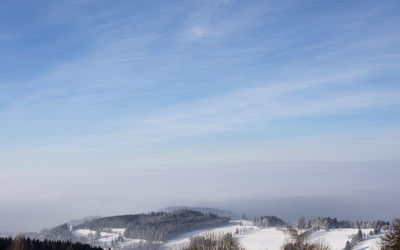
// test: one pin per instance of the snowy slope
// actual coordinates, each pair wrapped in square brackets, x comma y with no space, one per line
[251,237]
[254,238]
[83,232]
[262,239]
[371,243]
[337,238]
[183,240]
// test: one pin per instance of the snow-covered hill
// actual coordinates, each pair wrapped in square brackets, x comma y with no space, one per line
[254,238]
[250,236]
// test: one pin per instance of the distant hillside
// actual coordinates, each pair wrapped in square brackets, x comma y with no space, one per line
[165,230]
[132,229]
[205,210]
[157,225]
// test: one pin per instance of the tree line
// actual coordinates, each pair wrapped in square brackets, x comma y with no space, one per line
[268,221]
[21,243]
[326,223]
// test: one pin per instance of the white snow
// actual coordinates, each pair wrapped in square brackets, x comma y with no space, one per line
[107,237]
[337,238]
[262,239]
[118,230]
[371,243]
[254,238]
[251,237]
[129,242]
[183,240]
[83,232]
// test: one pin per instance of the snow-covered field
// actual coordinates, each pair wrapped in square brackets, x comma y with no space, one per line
[251,237]
[266,238]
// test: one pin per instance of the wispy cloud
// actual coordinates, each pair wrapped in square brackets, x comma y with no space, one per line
[171,88]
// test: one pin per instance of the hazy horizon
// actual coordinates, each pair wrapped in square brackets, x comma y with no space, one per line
[112,107]
[311,189]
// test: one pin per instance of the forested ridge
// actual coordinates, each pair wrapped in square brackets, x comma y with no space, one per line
[154,226]
[157,225]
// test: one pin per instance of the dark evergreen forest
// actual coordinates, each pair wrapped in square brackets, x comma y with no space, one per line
[20,243]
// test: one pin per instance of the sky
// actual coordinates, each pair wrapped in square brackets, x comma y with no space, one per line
[110,107]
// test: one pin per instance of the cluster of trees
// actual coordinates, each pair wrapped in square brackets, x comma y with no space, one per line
[377,224]
[165,226]
[212,241]
[21,243]
[268,221]
[326,223]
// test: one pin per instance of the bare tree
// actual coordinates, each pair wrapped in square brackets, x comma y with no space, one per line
[300,240]
[301,224]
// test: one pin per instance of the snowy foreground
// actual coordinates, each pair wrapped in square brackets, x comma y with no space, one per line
[251,237]
[254,238]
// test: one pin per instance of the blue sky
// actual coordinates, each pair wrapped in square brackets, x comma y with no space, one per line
[125,85]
